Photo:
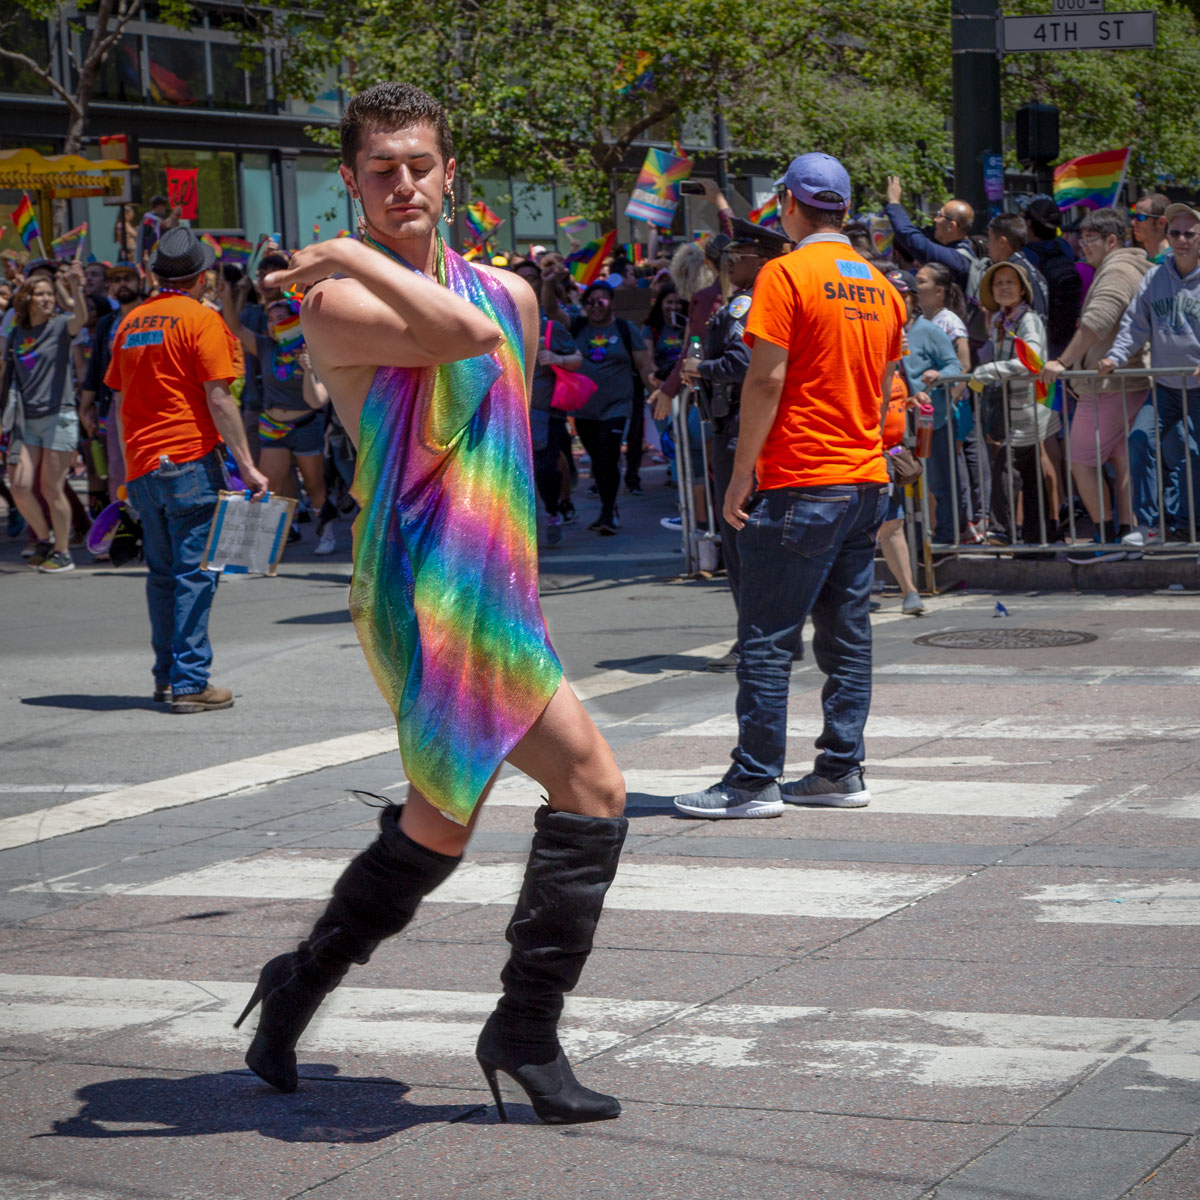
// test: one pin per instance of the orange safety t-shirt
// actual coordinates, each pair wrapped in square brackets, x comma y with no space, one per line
[840,321]
[165,351]
[895,424]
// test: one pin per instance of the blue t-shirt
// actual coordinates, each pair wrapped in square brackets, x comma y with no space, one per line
[609,367]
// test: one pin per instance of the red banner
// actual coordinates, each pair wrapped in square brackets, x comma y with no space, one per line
[115,147]
[183,191]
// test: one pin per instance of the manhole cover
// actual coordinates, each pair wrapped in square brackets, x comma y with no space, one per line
[1004,639]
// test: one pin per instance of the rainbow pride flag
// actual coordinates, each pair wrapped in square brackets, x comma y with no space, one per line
[471,253]
[289,335]
[765,214]
[636,76]
[235,250]
[656,193]
[634,252]
[343,233]
[64,247]
[587,262]
[26,223]
[480,221]
[1033,362]
[1091,181]
[572,226]
[212,243]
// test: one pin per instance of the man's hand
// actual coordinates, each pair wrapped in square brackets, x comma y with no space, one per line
[75,272]
[894,190]
[547,358]
[712,193]
[741,487]
[87,418]
[689,371]
[254,479]
[660,405]
[1051,371]
[320,260]
[1106,366]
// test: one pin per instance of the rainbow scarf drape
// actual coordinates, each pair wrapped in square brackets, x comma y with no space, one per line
[445,589]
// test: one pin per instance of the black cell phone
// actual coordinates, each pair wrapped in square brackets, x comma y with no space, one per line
[232,272]
[691,187]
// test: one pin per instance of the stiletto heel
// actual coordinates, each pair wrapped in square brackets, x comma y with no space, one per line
[489,1073]
[250,1007]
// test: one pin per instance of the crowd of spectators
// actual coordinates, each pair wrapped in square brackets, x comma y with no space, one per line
[1021,454]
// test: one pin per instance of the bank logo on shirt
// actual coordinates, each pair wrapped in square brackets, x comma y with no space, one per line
[144,337]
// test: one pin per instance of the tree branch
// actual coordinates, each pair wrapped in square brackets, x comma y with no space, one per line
[42,74]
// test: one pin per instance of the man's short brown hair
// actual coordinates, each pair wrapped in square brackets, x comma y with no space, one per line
[392,106]
[824,218]
[1105,221]
[1012,228]
[1158,203]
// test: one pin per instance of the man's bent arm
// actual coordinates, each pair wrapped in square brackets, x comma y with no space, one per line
[916,245]
[760,404]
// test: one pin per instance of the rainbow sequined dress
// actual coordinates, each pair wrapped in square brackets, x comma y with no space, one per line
[445,590]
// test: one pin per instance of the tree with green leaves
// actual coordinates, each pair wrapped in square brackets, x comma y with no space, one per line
[110,19]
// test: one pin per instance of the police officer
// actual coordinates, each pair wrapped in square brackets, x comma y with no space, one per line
[721,371]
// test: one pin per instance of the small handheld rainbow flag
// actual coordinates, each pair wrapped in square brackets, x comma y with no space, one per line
[212,243]
[701,235]
[480,221]
[1093,180]
[1033,362]
[64,247]
[289,335]
[587,262]
[765,214]
[316,233]
[572,226]
[235,250]
[343,233]
[26,223]
[634,252]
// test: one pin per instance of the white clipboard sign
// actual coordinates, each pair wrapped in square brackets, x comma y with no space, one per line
[247,536]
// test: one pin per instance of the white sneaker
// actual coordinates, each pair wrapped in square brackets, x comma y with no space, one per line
[326,543]
[913,605]
[1134,541]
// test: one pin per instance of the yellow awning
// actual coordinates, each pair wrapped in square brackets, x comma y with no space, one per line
[27,170]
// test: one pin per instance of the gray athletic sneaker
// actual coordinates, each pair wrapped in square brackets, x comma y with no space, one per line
[847,792]
[721,800]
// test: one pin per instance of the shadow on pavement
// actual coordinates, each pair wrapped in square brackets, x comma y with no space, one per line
[93,703]
[337,617]
[652,664]
[322,1110]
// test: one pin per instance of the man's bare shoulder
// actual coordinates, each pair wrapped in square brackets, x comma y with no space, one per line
[521,292]
[334,295]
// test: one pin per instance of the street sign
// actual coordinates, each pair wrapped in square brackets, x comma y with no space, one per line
[1088,31]
[1075,7]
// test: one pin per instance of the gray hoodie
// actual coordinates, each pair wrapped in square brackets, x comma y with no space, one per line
[1166,313]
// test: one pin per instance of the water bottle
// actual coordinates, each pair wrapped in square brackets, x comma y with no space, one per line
[694,351]
[924,431]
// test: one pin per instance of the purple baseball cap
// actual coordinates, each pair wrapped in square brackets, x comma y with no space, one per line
[816,172]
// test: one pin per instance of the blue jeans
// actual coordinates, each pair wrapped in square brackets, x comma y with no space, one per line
[176,504]
[937,477]
[805,552]
[1178,439]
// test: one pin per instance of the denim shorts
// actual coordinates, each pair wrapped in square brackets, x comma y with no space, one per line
[58,431]
[303,437]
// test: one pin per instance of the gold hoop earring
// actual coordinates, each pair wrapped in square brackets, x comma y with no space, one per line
[360,217]
[448,219]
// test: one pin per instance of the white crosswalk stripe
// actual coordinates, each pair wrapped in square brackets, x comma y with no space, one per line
[924,1048]
[647,887]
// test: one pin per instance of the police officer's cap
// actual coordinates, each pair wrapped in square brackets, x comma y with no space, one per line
[747,236]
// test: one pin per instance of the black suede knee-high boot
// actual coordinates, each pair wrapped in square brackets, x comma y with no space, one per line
[375,897]
[571,865]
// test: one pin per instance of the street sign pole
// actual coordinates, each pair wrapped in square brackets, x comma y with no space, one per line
[976,83]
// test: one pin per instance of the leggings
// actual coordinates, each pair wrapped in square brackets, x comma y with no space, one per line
[602,441]
[548,465]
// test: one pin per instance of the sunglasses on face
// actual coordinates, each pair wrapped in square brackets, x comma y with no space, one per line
[1140,216]
[1187,235]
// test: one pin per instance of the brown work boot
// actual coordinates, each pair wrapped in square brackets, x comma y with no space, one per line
[208,700]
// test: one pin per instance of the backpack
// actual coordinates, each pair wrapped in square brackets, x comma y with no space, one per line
[977,315]
[1066,298]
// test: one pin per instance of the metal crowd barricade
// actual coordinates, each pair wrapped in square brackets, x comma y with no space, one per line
[1175,464]
[699,545]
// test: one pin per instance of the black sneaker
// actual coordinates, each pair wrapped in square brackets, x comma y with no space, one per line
[163,694]
[726,663]
[606,524]
[41,552]
[568,513]
[634,487]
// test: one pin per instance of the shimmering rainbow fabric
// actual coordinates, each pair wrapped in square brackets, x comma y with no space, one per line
[445,589]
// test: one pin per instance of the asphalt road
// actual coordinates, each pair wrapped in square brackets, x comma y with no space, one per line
[985,985]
